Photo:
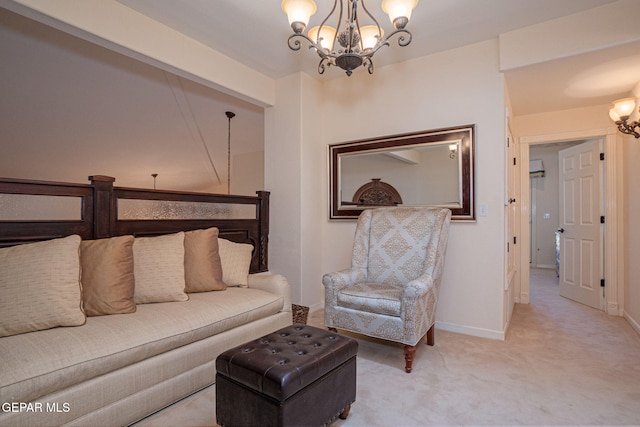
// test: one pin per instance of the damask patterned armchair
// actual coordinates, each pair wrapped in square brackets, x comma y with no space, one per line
[391,290]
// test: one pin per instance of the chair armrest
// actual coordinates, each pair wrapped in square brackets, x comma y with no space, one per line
[343,278]
[274,283]
[418,287]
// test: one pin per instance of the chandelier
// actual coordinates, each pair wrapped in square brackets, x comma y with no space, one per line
[620,112]
[349,44]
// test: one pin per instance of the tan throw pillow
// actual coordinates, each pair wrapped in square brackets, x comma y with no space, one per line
[158,267]
[202,267]
[236,262]
[107,276]
[40,286]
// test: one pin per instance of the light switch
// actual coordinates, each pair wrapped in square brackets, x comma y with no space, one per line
[484,209]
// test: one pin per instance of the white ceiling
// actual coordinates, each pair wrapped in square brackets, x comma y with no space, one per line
[255,33]
[52,81]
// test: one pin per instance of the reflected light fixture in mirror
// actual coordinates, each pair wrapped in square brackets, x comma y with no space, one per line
[621,112]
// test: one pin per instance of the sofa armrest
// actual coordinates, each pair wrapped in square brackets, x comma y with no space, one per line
[274,283]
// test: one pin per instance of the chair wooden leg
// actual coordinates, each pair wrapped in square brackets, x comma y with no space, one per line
[409,351]
[333,330]
[431,336]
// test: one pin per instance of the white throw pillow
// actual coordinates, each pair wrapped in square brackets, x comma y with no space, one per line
[235,259]
[158,268]
[40,286]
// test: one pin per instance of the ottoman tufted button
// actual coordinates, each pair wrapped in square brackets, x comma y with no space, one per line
[301,352]
[316,344]
[298,328]
[284,334]
[291,342]
[273,351]
[282,361]
[306,336]
[247,350]
[331,337]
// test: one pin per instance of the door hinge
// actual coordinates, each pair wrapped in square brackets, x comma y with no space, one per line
[602,283]
[515,240]
[602,219]
[514,161]
[601,156]
[507,246]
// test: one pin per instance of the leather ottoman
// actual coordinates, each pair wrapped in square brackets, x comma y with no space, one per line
[297,376]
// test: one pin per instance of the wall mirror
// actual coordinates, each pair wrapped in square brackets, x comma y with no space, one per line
[431,168]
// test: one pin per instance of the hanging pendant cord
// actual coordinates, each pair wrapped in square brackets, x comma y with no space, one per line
[230,115]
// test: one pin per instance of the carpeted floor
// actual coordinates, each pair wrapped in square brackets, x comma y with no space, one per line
[562,363]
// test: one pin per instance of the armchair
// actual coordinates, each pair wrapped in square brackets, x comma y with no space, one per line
[391,290]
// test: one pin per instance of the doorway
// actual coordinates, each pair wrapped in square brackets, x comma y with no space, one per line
[613,264]
[556,203]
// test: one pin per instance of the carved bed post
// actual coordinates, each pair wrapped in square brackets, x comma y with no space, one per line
[104,206]
[264,229]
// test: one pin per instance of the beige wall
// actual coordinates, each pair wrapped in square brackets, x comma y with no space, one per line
[632,242]
[305,244]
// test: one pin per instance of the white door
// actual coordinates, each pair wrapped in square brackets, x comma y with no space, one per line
[580,210]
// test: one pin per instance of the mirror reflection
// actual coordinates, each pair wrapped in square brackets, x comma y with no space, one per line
[426,169]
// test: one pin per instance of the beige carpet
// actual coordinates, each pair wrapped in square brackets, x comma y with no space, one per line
[561,364]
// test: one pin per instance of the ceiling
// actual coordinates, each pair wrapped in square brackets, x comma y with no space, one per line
[57,84]
[255,33]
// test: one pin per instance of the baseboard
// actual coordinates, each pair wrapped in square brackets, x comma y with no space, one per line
[469,330]
[634,324]
[546,266]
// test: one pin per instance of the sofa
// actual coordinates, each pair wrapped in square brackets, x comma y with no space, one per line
[97,332]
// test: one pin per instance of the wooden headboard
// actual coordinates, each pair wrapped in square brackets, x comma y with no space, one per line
[32,211]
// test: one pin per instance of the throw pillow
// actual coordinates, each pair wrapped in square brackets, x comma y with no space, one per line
[158,267]
[40,286]
[236,262]
[107,276]
[202,267]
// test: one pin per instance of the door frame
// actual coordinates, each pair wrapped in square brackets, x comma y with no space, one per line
[613,191]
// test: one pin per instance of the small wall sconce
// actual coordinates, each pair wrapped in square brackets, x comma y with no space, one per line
[453,150]
[620,112]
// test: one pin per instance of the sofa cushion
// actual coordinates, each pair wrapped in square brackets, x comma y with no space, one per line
[40,286]
[158,266]
[236,262]
[107,343]
[202,265]
[107,276]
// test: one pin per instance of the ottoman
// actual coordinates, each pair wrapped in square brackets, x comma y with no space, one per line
[297,376]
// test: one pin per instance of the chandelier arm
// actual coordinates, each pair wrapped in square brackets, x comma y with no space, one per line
[371,17]
[401,38]
[324,21]
[628,128]
[368,64]
[294,43]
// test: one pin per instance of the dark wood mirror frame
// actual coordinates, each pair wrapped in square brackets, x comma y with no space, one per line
[464,134]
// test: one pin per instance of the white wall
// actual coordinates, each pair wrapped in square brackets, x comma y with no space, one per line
[412,96]
[631,152]
[545,192]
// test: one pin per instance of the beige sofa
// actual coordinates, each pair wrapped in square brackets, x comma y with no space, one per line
[114,369]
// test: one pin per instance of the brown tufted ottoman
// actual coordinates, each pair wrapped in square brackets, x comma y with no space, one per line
[297,376]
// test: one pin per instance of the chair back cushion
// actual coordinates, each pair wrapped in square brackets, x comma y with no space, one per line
[395,244]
